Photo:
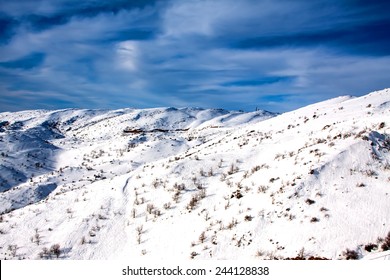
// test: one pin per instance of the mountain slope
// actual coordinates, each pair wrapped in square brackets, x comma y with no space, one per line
[198,183]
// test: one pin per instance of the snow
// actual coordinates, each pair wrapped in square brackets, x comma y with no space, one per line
[315,180]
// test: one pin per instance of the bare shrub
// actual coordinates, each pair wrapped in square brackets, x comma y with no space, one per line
[133,213]
[259,253]
[181,187]
[44,254]
[149,208]
[255,168]
[196,198]
[202,193]
[386,243]
[101,217]
[262,189]
[351,254]
[176,196]
[233,169]
[13,249]
[309,201]
[139,229]
[156,213]
[55,249]
[193,202]
[156,183]
[314,220]
[370,173]
[248,218]
[370,247]
[232,224]
[301,253]
[36,238]
[227,205]
[202,237]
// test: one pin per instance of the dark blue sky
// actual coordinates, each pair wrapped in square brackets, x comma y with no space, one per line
[277,55]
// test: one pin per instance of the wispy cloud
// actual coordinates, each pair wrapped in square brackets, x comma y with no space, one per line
[277,55]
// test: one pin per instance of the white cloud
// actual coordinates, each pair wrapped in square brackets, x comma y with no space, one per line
[127,53]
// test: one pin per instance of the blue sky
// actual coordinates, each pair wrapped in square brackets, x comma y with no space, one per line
[277,55]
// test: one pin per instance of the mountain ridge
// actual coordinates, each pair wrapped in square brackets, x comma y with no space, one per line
[232,185]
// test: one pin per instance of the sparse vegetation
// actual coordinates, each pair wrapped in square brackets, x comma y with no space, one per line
[370,247]
[202,237]
[386,243]
[314,220]
[139,230]
[350,254]
[55,250]
[310,201]
[232,169]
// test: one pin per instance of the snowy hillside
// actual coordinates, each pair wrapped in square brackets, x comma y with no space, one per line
[197,184]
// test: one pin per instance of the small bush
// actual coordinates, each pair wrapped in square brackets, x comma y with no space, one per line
[310,201]
[248,218]
[202,193]
[370,247]
[156,213]
[13,250]
[259,253]
[370,173]
[351,254]
[176,196]
[44,254]
[386,243]
[233,169]
[193,202]
[202,237]
[149,208]
[262,189]
[193,255]
[232,224]
[55,250]
[139,229]
[255,168]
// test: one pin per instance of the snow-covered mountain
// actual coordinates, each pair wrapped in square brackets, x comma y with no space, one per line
[197,184]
